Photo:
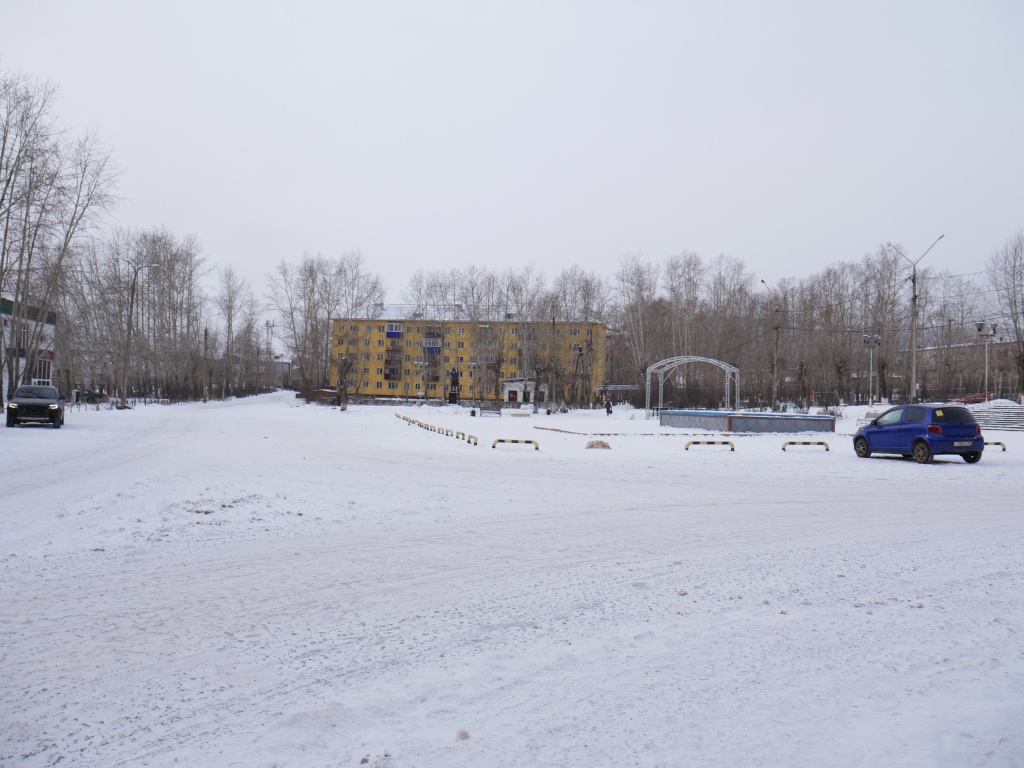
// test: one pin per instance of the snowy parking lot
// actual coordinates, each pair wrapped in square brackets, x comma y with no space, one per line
[261,582]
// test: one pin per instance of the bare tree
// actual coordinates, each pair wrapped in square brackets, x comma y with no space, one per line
[1006,275]
[51,191]
[358,294]
[637,288]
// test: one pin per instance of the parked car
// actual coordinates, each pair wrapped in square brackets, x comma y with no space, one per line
[36,404]
[922,432]
[92,397]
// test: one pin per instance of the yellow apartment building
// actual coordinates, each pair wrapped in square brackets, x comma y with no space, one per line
[509,360]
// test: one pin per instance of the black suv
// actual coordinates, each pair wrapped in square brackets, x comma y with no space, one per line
[36,404]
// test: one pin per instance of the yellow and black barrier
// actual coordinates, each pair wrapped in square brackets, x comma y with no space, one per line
[439,430]
[710,442]
[996,442]
[805,442]
[534,443]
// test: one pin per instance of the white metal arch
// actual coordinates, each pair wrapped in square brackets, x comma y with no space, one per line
[665,367]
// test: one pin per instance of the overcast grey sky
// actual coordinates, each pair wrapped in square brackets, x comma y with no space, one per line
[431,135]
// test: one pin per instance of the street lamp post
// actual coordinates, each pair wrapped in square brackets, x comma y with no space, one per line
[269,379]
[987,331]
[913,317]
[136,268]
[871,342]
[775,356]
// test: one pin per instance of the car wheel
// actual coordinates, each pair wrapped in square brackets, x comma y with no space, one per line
[922,453]
[91,401]
[861,447]
[972,457]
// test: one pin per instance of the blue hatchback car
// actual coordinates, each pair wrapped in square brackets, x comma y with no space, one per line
[922,432]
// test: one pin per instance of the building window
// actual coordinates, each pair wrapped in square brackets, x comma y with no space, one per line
[461,330]
[380,342]
[366,372]
[380,385]
[515,330]
[354,328]
[394,328]
[380,357]
[461,344]
[380,371]
[392,385]
[380,329]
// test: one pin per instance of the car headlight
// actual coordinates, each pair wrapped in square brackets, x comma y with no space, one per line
[54,406]
[12,405]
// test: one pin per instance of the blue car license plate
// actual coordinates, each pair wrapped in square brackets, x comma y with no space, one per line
[962,444]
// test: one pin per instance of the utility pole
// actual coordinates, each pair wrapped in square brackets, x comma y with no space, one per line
[913,317]
[913,334]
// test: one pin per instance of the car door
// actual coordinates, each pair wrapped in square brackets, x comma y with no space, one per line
[911,426]
[884,436]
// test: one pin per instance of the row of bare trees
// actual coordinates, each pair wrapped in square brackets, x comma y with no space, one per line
[142,312]
[306,296]
[53,189]
[824,337]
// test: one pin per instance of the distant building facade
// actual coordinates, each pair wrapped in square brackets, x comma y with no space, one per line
[26,345]
[405,355]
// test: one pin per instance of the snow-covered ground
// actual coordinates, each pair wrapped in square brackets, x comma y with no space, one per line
[263,583]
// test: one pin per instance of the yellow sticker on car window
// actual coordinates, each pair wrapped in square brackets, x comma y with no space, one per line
[938,413]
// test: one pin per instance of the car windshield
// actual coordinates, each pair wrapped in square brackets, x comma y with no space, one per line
[39,393]
[953,416]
